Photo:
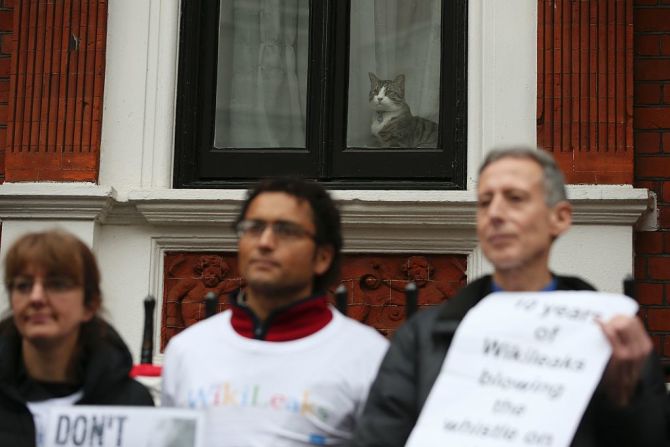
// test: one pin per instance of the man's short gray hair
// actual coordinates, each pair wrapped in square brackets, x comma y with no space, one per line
[554,182]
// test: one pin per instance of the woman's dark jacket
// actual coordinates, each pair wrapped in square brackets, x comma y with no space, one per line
[104,364]
[415,359]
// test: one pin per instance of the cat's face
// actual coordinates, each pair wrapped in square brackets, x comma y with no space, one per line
[386,95]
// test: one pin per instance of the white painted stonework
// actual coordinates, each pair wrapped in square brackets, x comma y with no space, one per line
[133,216]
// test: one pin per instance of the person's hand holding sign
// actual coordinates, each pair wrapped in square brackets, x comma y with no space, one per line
[631,345]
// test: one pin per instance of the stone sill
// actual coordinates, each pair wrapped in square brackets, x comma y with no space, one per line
[593,204]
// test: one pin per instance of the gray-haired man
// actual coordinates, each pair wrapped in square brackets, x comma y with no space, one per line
[522,209]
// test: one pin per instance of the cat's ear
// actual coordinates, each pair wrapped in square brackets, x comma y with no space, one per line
[374,80]
[399,81]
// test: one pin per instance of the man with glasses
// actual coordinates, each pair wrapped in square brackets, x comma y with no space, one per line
[281,367]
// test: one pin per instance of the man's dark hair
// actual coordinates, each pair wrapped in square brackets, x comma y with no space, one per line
[325,216]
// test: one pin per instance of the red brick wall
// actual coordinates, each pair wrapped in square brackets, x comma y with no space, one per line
[652,163]
[603,110]
[585,88]
[56,81]
[6,26]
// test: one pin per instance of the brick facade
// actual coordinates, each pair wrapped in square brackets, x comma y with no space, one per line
[604,77]
[6,27]
[603,106]
[56,79]
[652,163]
[585,88]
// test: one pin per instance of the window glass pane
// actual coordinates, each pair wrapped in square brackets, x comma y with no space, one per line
[394,76]
[262,74]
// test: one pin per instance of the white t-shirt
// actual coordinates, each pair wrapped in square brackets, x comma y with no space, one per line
[40,411]
[302,392]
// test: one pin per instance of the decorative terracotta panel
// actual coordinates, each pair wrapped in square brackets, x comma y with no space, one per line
[585,88]
[188,277]
[375,285]
[56,88]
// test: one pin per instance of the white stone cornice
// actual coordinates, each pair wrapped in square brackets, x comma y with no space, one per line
[607,204]
[60,201]
[187,206]
[611,205]
[369,216]
[416,238]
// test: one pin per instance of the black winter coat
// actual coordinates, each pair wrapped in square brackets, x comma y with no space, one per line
[415,359]
[104,366]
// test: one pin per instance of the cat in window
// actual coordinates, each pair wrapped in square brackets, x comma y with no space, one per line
[393,124]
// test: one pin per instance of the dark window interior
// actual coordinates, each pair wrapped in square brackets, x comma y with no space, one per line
[286,92]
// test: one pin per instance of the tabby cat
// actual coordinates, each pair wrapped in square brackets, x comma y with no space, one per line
[392,122]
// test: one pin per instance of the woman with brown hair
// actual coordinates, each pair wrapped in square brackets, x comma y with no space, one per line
[54,348]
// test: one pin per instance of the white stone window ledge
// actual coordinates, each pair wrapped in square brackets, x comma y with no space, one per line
[430,221]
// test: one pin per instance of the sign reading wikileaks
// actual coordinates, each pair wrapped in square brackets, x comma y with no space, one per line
[116,426]
[520,370]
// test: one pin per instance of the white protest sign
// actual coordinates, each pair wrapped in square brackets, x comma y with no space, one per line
[517,362]
[115,426]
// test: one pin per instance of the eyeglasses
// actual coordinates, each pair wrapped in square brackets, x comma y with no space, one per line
[281,229]
[51,284]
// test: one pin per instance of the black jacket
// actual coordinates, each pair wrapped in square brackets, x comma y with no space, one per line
[415,359]
[104,367]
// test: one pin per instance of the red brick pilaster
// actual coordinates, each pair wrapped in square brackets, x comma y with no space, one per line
[652,164]
[6,27]
[55,91]
[604,89]
[585,88]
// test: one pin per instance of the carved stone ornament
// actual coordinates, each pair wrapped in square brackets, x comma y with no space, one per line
[375,286]
[188,278]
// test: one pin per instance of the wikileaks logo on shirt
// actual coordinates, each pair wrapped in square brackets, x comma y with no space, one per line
[251,396]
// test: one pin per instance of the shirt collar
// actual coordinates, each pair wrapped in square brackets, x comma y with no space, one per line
[291,322]
[552,286]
